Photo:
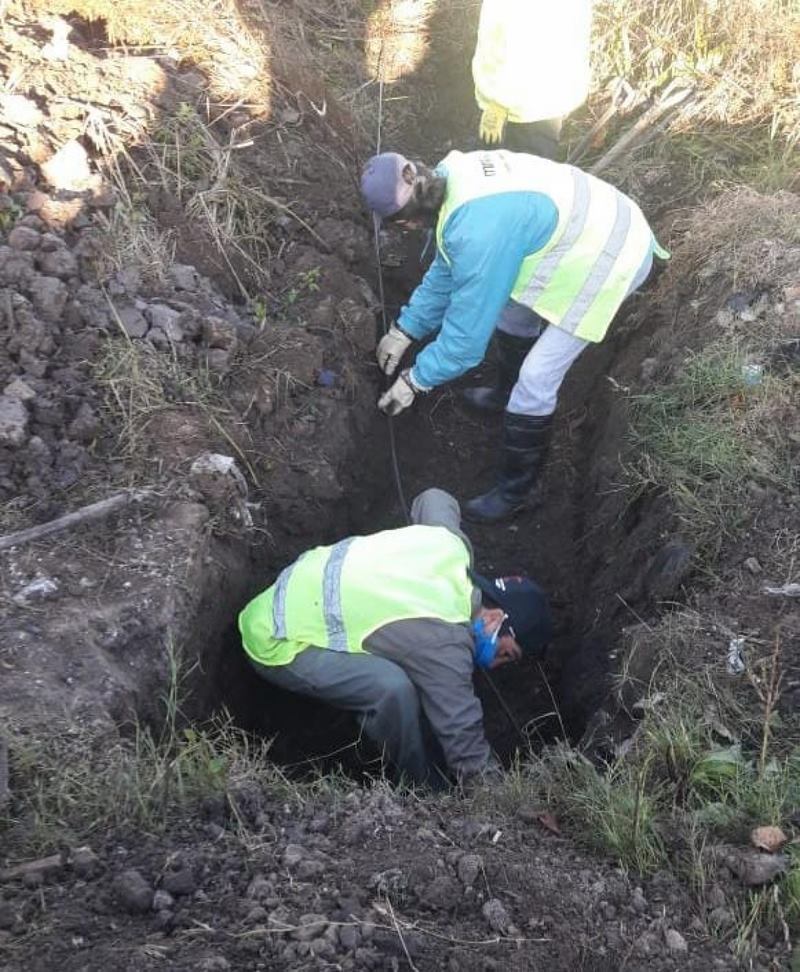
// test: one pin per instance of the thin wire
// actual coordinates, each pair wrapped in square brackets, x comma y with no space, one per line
[398,479]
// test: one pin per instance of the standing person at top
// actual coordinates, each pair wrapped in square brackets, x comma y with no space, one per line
[531,69]
[525,245]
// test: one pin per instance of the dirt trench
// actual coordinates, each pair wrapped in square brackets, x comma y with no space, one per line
[178,573]
[555,540]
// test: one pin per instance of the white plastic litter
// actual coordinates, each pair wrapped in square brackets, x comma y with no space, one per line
[787,590]
[736,662]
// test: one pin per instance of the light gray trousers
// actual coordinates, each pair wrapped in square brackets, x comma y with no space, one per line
[548,361]
[377,690]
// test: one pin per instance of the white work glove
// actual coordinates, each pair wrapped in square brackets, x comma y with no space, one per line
[391,348]
[400,395]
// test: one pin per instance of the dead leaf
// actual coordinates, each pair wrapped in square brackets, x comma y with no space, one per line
[549,822]
[768,838]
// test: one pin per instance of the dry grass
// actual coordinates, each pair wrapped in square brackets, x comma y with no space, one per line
[742,56]
[214,36]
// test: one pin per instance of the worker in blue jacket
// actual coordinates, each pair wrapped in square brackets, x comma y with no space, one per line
[539,251]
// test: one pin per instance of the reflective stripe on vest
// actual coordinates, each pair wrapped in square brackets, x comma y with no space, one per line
[334,597]
[578,280]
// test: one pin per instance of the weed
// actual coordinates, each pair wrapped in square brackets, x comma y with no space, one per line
[703,435]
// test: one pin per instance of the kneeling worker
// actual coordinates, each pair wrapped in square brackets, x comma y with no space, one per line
[391,626]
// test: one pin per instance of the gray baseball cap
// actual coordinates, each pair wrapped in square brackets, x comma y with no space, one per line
[383,187]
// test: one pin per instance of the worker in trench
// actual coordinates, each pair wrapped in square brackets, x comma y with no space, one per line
[530,69]
[538,250]
[391,627]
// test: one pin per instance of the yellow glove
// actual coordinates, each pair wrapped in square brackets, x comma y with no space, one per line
[493,124]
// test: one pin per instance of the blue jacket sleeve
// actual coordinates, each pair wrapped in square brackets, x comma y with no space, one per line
[486,241]
[424,312]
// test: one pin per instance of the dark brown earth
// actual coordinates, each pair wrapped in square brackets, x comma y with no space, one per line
[332,877]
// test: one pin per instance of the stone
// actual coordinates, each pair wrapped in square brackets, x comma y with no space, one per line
[51,242]
[219,333]
[163,901]
[180,882]
[19,111]
[638,901]
[754,868]
[8,916]
[496,916]
[442,893]
[133,323]
[218,361]
[310,926]
[59,263]
[769,839]
[292,855]
[16,267]
[675,942]
[668,569]
[212,963]
[308,869]
[349,937]
[167,319]
[753,565]
[48,295]
[158,338]
[69,168]
[469,868]
[85,863]
[24,238]
[721,918]
[13,422]
[84,426]
[716,897]
[183,277]
[19,389]
[132,892]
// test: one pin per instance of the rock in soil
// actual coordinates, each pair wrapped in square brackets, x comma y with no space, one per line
[675,942]
[132,892]
[496,916]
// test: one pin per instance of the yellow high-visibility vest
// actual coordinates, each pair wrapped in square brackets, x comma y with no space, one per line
[334,597]
[532,57]
[578,280]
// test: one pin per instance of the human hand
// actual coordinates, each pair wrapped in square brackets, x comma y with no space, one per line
[398,398]
[391,348]
[493,124]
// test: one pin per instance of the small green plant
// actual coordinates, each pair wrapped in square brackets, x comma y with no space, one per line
[306,283]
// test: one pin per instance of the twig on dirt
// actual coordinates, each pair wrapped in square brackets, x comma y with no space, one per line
[400,936]
[271,201]
[670,99]
[556,709]
[638,617]
[771,698]
[86,514]
[622,98]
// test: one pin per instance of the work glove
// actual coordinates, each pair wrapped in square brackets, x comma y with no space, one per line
[493,124]
[400,395]
[391,348]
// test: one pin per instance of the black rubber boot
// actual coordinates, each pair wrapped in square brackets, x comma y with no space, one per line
[511,352]
[526,439]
